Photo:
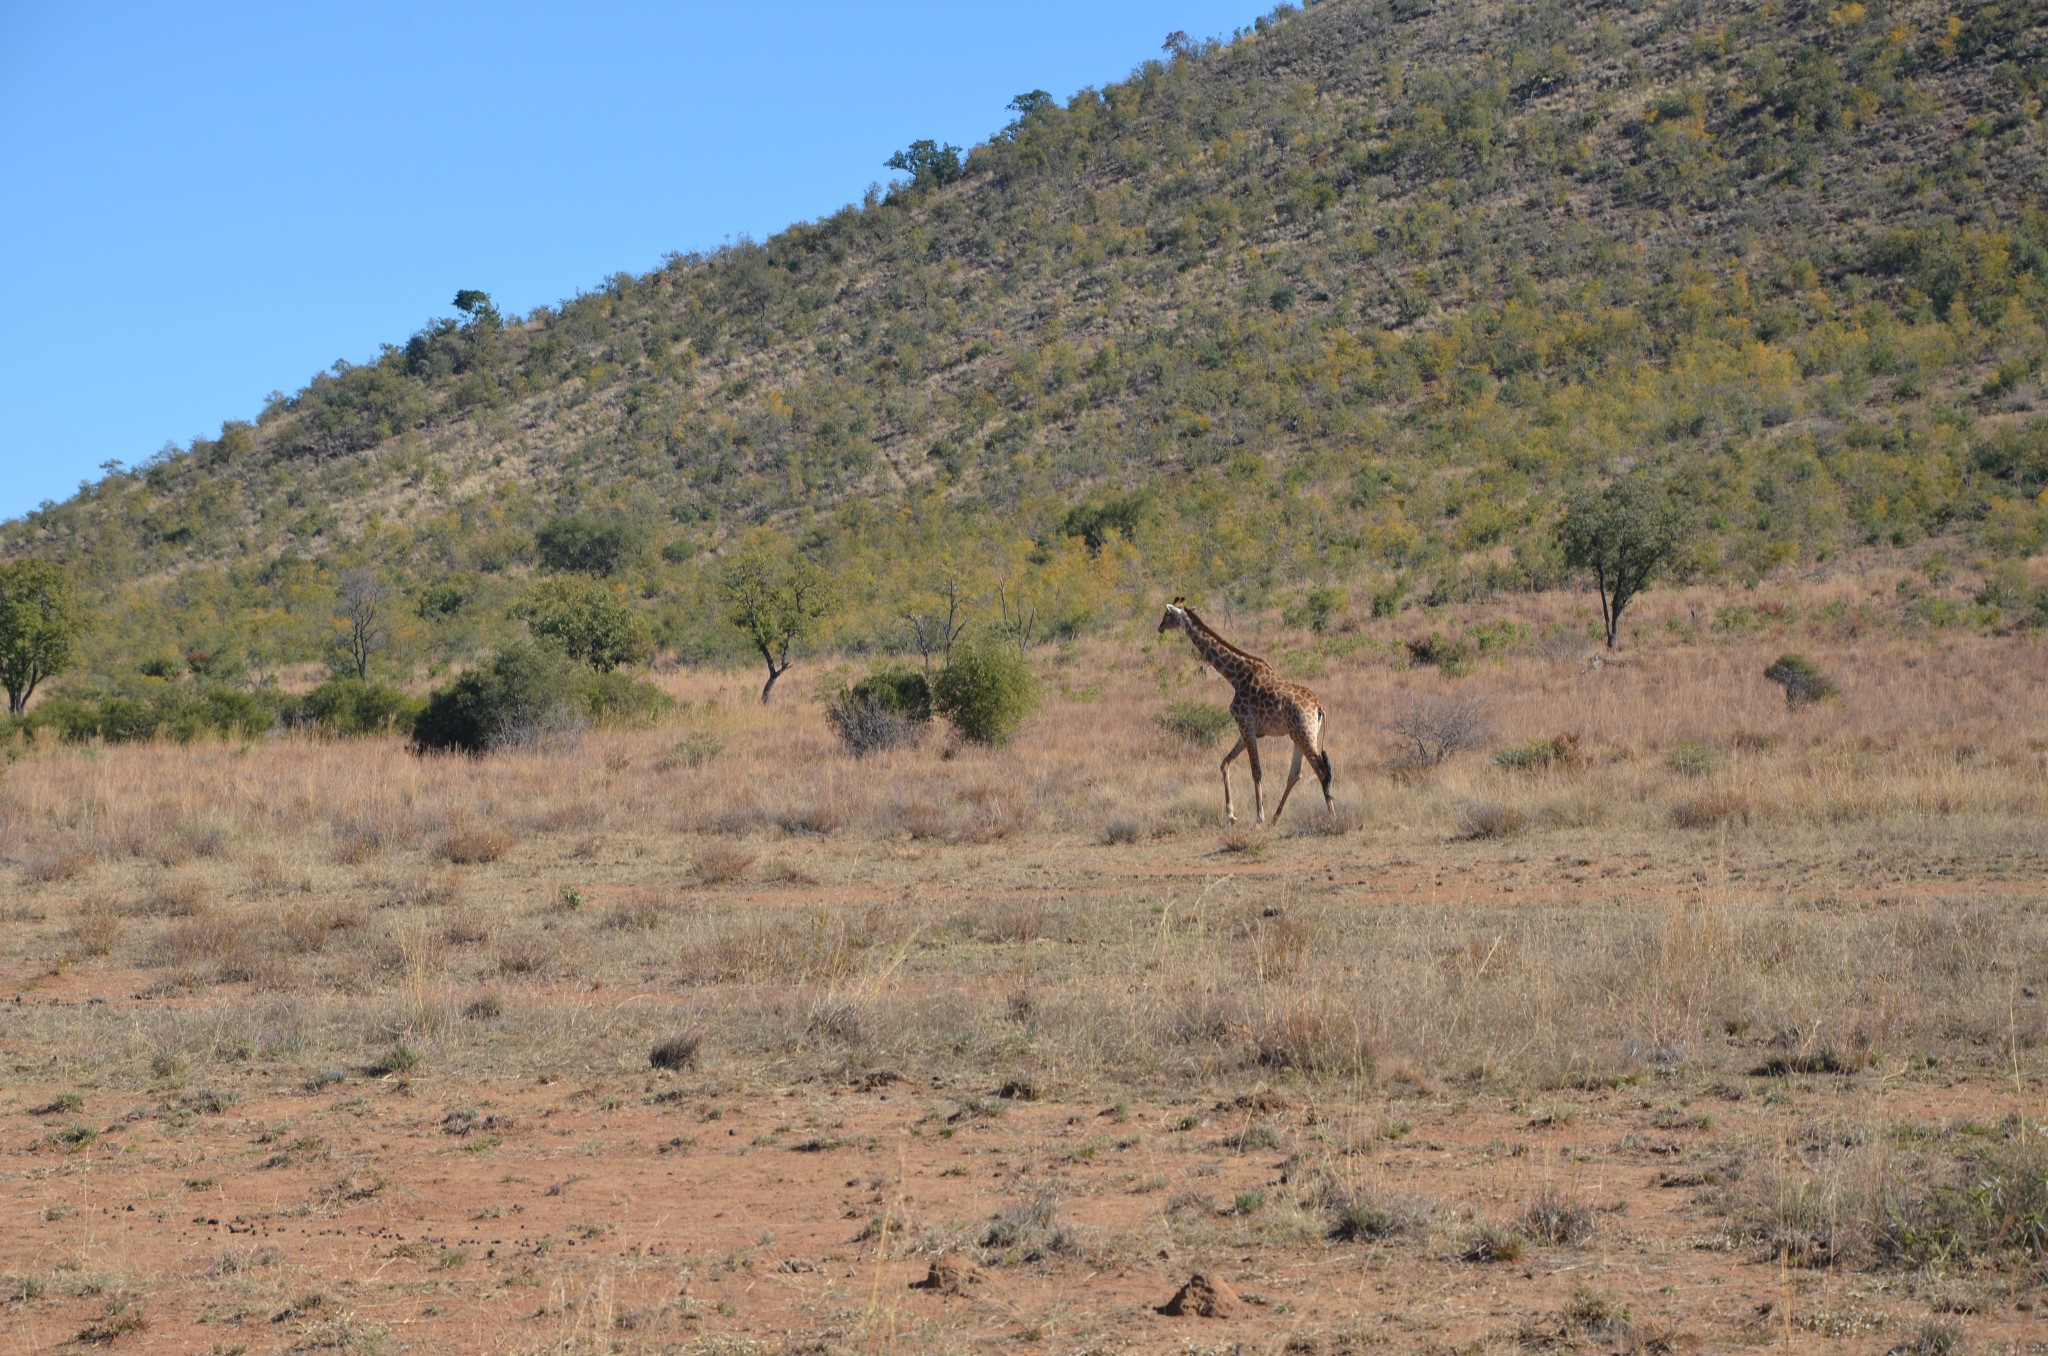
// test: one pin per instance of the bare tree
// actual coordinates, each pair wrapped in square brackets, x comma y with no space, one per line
[935,631]
[1020,620]
[359,599]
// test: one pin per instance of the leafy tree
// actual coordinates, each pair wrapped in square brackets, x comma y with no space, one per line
[775,603]
[586,621]
[1624,534]
[986,690]
[477,306]
[587,544]
[41,620]
[359,614]
[928,164]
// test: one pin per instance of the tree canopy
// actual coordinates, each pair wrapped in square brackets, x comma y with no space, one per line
[1624,535]
[41,620]
[775,601]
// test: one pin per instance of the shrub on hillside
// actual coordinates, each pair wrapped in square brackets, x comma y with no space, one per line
[581,543]
[986,689]
[350,706]
[1802,680]
[522,695]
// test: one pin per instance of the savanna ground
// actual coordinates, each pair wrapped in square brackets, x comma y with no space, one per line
[1721,1029]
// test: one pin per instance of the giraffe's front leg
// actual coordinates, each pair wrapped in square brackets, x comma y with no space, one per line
[1229,814]
[1251,749]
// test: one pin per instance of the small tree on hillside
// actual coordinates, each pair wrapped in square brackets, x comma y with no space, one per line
[41,620]
[1624,535]
[775,603]
[928,164]
[586,621]
[587,544]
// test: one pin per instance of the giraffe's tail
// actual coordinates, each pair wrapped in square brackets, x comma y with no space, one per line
[1322,754]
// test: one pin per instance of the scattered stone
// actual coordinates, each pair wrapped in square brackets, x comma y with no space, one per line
[949,1275]
[1204,1297]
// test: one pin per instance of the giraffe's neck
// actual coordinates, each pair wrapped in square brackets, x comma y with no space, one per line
[1236,668]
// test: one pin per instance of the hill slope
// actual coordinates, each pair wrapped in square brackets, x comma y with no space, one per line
[1352,299]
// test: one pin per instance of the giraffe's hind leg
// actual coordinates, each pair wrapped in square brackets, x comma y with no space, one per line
[1229,814]
[1293,776]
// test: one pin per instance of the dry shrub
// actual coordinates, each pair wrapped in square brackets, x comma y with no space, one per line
[1432,728]
[1367,1214]
[472,844]
[1556,1217]
[1017,921]
[1490,819]
[1326,823]
[466,927]
[570,818]
[1247,838]
[993,814]
[1308,1036]
[641,911]
[359,837]
[1281,943]
[526,953]
[783,871]
[307,927]
[442,889]
[678,1052]
[922,821]
[266,873]
[170,897]
[49,868]
[1121,830]
[819,817]
[739,819]
[722,863]
[207,939]
[94,932]
[1710,809]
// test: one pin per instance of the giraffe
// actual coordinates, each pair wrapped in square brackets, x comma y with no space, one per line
[1264,704]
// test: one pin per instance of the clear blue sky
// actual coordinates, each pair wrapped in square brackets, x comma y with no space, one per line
[202,203]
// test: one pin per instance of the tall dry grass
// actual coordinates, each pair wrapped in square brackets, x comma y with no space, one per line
[1857,880]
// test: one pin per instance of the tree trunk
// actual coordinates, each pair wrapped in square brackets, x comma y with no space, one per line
[773,674]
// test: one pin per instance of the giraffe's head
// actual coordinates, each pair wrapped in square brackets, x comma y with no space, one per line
[1176,615]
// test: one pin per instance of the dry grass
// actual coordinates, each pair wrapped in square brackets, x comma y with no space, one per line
[1079,891]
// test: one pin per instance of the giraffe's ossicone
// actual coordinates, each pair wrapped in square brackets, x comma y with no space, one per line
[1263,704]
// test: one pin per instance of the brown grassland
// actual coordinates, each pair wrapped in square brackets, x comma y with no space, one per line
[1721,1029]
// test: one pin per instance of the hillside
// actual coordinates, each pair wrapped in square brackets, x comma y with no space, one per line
[1351,300]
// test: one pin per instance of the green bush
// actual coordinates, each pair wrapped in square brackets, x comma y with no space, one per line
[1202,724]
[903,692]
[986,689]
[182,712]
[584,544]
[349,706]
[523,694]
[1802,680]
[1690,758]
[1558,751]
[587,621]
[619,699]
